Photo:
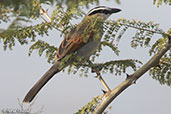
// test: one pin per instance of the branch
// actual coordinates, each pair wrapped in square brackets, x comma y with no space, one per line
[43,12]
[144,29]
[103,82]
[154,61]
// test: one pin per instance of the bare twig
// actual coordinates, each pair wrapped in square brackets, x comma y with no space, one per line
[103,82]
[43,18]
[154,61]
[43,12]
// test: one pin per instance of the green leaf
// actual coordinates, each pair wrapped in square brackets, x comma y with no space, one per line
[42,47]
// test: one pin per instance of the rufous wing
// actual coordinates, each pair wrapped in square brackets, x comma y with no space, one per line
[71,43]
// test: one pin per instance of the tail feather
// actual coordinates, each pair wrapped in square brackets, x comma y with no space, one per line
[42,81]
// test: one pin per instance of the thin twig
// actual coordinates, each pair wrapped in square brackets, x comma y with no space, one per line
[103,82]
[43,18]
[152,31]
[43,12]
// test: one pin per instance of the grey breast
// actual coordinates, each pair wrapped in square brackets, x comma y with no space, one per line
[88,49]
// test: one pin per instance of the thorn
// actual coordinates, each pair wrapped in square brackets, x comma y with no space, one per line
[46,10]
[169,38]
[104,91]
[127,76]
[95,76]
[42,11]
[134,81]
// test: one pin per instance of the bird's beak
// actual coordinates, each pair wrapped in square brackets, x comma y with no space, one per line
[115,10]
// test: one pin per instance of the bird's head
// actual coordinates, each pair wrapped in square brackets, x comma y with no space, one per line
[102,12]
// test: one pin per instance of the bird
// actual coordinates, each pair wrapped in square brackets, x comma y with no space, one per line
[83,40]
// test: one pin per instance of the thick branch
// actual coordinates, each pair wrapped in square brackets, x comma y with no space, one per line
[154,61]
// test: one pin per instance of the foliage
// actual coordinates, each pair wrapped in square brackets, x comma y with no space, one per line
[30,8]
[22,33]
[114,32]
[114,66]
[89,108]
[27,8]
[43,46]
[62,21]
[159,2]
[112,36]
[162,73]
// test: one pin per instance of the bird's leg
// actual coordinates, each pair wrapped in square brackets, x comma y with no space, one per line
[102,81]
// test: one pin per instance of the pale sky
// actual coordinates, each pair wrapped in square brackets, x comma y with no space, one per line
[65,94]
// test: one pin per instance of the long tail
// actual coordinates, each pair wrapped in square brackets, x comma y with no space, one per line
[43,80]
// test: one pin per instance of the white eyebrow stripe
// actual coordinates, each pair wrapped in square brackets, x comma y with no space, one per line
[99,8]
